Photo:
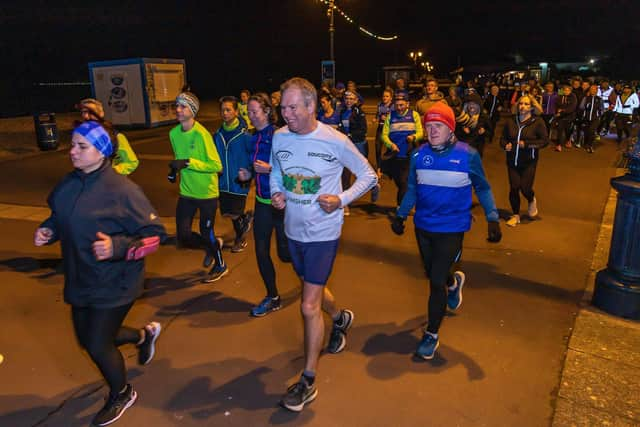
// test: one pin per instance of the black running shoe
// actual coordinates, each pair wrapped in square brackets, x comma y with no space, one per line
[298,395]
[216,273]
[338,338]
[115,407]
[239,246]
[245,225]
[147,349]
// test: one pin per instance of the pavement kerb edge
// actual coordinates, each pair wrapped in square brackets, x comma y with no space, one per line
[598,262]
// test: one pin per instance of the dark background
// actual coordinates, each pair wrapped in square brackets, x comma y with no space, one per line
[229,45]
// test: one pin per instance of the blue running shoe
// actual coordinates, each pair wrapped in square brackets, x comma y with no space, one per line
[454,297]
[266,306]
[427,347]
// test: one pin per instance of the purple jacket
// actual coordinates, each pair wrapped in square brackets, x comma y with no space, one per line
[549,103]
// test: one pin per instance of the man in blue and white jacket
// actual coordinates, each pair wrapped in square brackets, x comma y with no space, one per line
[441,176]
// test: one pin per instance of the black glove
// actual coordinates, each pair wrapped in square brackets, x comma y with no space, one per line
[495,235]
[172,175]
[179,164]
[397,225]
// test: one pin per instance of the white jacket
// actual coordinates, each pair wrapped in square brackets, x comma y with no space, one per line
[627,108]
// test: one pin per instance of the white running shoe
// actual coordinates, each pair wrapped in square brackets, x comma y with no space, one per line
[513,220]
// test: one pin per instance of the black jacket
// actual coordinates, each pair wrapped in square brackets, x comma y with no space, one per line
[568,105]
[492,105]
[590,109]
[534,134]
[102,201]
[357,125]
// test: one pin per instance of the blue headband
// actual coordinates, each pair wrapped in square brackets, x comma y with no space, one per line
[96,135]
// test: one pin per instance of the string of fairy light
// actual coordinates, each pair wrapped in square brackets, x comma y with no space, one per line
[361,28]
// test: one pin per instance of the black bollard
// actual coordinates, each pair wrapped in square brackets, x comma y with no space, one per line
[617,287]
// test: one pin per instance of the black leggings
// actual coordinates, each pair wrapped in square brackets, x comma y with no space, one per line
[399,172]
[439,252]
[589,130]
[623,125]
[185,211]
[565,127]
[521,181]
[266,219]
[100,333]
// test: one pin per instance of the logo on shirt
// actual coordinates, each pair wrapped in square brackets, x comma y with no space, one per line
[301,184]
[428,160]
[284,155]
[324,156]
[456,161]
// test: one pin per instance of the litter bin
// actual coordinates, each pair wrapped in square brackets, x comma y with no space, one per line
[46,131]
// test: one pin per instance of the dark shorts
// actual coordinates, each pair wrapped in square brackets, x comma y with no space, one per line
[231,204]
[313,261]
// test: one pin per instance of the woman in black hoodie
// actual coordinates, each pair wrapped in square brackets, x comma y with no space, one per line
[523,135]
[105,226]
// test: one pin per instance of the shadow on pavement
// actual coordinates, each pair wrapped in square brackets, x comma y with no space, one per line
[386,341]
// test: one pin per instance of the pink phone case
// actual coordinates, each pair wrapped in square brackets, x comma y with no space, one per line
[143,247]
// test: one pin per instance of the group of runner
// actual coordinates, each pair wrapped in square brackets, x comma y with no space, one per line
[302,149]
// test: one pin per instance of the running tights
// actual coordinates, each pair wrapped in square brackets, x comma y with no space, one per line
[100,333]
[266,219]
[439,252]
[521,179]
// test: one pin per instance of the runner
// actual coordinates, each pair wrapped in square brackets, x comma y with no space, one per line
[384,109]
[198,163]
[105,225]
[125,161]
[442,173]
[590,110]
[267,218]
[307,159]
[233,143]
[242,109]
[522,137]
[401,133]
[353,123]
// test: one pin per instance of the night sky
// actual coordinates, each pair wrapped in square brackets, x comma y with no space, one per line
[229,44]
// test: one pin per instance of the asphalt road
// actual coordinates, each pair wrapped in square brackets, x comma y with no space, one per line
[498,364]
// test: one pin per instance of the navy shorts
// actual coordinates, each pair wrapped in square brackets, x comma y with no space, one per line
[313,261]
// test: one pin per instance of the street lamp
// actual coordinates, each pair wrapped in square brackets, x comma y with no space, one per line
[332,29]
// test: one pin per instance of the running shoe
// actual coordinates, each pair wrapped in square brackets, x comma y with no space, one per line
[454,297]
[216,273]
[427,346]
[513,220]
[115,407]
[245,225]
[265,307]
[239,246]
[298,395]
[338,338]
[147,349]
[375,193]
[558,148]
[532,211]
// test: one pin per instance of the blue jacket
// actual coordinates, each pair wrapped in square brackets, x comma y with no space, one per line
[233,147]
[440,188]
[101,201]
[261,150]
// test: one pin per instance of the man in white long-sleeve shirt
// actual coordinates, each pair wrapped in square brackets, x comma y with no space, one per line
[307,159]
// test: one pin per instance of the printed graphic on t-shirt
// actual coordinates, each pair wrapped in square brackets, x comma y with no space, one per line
[301,181]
